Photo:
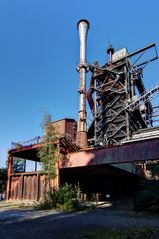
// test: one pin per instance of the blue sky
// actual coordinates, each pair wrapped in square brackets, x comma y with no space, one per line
[39,51]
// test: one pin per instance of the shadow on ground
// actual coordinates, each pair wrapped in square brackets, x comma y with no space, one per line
[18,223]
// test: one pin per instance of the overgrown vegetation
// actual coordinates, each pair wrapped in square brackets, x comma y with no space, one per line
[64,198]
[47,152]
[112,233]
[147,198]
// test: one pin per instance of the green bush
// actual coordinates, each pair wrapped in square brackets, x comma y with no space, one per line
[64,199]
[147,198]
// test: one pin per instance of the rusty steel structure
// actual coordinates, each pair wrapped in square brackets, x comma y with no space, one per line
[33,185]
[100,158]
[83,26]
[121,106]
[145,150]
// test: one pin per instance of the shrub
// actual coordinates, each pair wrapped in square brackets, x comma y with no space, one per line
[64,199]
[147,199]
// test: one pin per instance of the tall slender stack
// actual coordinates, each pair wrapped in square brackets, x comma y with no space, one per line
[83,26]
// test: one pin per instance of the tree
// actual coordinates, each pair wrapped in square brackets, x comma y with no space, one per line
[3,179]
[147,197]
[47,152]
[18,165]
[153,167]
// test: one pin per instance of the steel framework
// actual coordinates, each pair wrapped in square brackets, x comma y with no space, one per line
[121,105]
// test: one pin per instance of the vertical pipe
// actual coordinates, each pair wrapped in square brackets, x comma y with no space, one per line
[127,88]
[24,165]
[110,51]
[83,26]
[35,166]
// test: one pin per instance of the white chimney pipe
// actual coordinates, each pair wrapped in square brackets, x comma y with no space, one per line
[83,26]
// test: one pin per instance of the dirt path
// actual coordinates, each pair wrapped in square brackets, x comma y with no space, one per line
[28,223]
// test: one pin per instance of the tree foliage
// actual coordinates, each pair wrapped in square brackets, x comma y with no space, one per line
[147,198]
[64,198]
[153,167]
[47,152]
[18,165]
[3,179]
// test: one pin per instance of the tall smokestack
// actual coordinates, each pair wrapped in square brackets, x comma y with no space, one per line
[82,26]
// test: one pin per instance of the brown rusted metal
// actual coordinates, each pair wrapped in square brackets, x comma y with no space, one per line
[81,139]
[64,127]
[90,93]
[110,51]
[10,169]
[133,152]
[114,91]
[33,185]
[29,186]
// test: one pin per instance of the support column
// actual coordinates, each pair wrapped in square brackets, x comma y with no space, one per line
[57,179]
[10,170]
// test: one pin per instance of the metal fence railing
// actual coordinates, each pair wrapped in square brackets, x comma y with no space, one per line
[35,140]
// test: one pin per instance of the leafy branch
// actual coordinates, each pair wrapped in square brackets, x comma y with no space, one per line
[47,152]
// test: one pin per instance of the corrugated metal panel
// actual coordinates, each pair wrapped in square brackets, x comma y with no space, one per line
[29,186]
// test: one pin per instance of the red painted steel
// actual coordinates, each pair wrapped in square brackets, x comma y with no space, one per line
[32,186]
[10,169]
[132,152]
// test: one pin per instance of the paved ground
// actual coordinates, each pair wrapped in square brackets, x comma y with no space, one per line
[21,223]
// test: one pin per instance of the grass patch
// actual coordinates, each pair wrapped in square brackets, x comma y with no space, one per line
[16,204]
[112,233]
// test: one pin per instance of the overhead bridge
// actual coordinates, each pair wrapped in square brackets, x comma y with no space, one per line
[137,151]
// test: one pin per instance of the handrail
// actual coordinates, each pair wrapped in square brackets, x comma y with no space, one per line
[35,140]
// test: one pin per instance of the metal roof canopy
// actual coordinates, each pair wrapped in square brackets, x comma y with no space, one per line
[26,152]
